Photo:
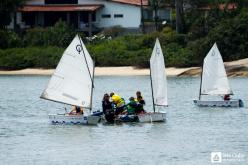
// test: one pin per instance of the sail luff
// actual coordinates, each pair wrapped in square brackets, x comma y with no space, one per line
[214,78]
[83,47]
[90,74]
[200,85]
[91,98]
[158,76]
[153,104]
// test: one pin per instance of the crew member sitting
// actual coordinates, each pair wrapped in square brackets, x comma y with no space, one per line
[119,103]
[76,110]
[131,106]
[107,109]
[141,102]
[226,97]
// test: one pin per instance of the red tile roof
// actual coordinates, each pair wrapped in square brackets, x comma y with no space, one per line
[132,2]
[93,7]
[30,8]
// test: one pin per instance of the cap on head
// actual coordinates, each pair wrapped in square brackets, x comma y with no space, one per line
[131,98]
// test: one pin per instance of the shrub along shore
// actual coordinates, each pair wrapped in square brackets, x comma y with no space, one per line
[43,47]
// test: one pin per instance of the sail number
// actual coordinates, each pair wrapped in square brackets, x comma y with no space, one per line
[79,48]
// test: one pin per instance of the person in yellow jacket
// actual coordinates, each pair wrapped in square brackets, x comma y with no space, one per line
[119,103]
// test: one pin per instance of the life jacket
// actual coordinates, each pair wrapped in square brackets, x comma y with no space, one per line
[131,107]
[142,101]
[117,100]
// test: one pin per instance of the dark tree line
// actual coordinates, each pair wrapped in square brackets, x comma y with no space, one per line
[6,8]
[193,5]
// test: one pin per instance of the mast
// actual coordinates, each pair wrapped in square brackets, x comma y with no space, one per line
[91,97]
[201,84]
[152,91]
[91,77]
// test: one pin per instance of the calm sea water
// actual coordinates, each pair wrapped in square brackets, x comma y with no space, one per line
[188,137]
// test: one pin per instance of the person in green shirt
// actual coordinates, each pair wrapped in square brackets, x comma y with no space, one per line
[131,106]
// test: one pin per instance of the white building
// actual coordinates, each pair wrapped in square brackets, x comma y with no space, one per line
[84,15]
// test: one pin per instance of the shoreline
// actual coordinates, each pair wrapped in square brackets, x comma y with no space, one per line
[237,68]
[102,71]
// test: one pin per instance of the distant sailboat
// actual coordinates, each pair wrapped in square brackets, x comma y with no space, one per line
[158,85]
[214,81]
[72,83]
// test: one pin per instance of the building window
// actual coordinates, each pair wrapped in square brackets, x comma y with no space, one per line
[147,14]
[118,15]
[61,1]
[164,14]
[106,16]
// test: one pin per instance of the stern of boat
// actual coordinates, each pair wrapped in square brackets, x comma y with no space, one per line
[152,117]
[220,103]
[93,120]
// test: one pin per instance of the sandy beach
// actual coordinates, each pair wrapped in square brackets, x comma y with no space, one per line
[102,71]
[234,68]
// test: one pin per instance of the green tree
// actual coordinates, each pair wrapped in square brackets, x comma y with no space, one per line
[6,8]
[179,16]
[241,3]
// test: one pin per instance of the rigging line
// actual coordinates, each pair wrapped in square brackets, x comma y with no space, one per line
[201,83]
[31,103]
[86,61]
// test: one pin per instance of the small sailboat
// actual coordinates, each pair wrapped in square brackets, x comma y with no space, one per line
[214,82]
[158,86]
[72,84]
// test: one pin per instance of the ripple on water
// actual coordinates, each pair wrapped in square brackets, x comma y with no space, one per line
[188,137]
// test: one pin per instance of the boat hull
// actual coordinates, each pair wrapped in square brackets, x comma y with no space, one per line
[128,118]
[221,103]
[152,117]
[73,119]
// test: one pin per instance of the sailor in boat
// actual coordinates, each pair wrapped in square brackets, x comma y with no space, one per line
[131,106]
[129,114]
[76,110]
[226,97]
[118,102]
[107,108]
[140,103]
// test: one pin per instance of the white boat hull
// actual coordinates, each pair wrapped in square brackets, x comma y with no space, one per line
[221,103]
[73,119]
[152,117]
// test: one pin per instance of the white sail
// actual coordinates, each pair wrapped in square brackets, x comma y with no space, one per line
[214,78]
[72,80]
[158,76]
